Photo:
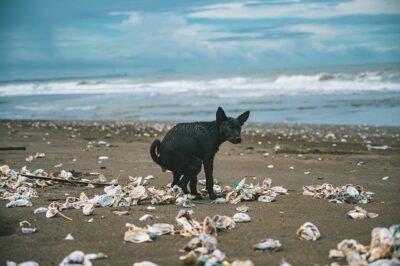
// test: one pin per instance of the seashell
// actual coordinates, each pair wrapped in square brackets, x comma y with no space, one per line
[51,212]
[217,189]
[25,263]
[83,198]
[120,213]
[209,226]
[189,258]
[241,217]
[265,198]
[95,256]
[352,191]
[279,190]
[25,222]
[223,222]
[284,263]
[336,254]
[88,209]
[144,263]
[40,210]
[381,236]
[380,252]
[358,213]
[103,157]
[268,245]
[209,242]
[240,184]
[242,208]
[266,183]
[136,236]
[19,203]
[348,245]
[138,193]
[26,230]
[69,237]
[106,201]
[146,217]
[218,255]
[160,229]
[4,169]
[76,258]
[308,231]
[242,263]
[150,208]
[149,177]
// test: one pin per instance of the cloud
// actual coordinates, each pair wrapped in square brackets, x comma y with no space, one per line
[247,10]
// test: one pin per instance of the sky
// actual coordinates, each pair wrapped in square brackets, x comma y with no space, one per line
[47,38]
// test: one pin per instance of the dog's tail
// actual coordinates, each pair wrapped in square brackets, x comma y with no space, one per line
[155,146]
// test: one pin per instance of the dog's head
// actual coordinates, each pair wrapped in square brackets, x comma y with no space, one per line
[230,127]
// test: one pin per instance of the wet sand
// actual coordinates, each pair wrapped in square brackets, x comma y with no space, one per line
[306,148]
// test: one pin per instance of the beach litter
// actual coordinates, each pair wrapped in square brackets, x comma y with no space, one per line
[382,148]
[343,194]
[384,248]
[144,263]
[309,232]
[359,214]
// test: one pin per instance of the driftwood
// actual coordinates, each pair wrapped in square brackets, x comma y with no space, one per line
[72,182]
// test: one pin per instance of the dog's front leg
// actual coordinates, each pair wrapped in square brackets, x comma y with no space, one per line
[208,169]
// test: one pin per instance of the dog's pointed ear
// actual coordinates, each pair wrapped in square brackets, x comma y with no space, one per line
[221,116]
[243,117]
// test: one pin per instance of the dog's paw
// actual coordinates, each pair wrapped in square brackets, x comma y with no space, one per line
[212,196]
[197,196]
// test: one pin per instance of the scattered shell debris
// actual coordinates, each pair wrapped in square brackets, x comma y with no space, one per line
[242,208]
[345,194]
[384,248]
[69,237]
[25,263]
[308,231]
[359,214]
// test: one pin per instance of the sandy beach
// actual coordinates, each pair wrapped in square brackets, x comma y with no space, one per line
[307,155]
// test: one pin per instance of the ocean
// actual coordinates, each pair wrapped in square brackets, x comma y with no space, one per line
[346,95]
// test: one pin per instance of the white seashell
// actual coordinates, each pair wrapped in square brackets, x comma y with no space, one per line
[385,178]
[69,237]
[146,217]
[120,213]
[64,174]
[241,217]
[106,201]
[75,258]
[25,263]
[308,231]
[284,263]
[51,212]
[352,191]
[268,245]
[40,210]
[95,256]
[372,215]
[189,258]
[279,190]
[29,230]
[242,263]
[149,177]
[160,229]
[265,198]
[136,236]
[150,208]
[103,157]
[138,192]
[240,184]
[270,166]
[242,208]
[220,201]
[19,203]
[88,209]
[144,263]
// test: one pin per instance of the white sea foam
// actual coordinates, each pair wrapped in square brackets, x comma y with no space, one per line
[322,83]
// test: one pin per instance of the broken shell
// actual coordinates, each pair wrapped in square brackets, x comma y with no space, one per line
[308,231]
[268,245]
[160,229]
[69,237]
[120,213]
[26,230]
[194,243]
[150,208]
[279,190]
[242,263]
[358,213]
[189,258]
[40,210]
[209,226]
[209,242]
[241,217]
[146,217]
[223,222]
[242,208]
[88,209]
[51,212]
[144,263]
[138,193]
[106,201]
[136,236]
[19,203]
[76,258]
[265,198]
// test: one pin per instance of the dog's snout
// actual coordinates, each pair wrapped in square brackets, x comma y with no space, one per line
[238,140]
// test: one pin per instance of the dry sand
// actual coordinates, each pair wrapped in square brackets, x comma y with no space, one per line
[128,155]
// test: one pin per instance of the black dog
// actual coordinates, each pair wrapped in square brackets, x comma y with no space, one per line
[187,145]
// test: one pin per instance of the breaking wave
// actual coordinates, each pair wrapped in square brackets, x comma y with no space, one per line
[315,84]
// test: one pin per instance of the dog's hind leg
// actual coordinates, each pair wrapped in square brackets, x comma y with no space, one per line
[183,183]
[177,176]
[191,170]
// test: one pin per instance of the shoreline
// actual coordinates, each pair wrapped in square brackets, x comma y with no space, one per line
[300,155]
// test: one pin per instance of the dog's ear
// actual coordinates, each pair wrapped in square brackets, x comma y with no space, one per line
[221,116]
[243,117]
